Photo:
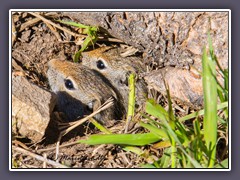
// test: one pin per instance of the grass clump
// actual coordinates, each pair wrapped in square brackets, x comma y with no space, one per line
[183,145]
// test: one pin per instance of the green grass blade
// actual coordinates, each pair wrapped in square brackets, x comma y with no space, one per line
[201,112]
[153,129]
[71,23]
[165,159]
[173,127]
[100,127]
[210,105]
[170,109]
[124,139]
[210,44]
[226,83]
[156,110]
[131,99]
[148,166]
[133,149]
[173,154]
[90,40]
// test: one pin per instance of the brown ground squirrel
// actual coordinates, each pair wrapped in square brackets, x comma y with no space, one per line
[109,62]
[79,89]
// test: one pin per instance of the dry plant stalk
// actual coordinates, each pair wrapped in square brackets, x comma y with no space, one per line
[38,157]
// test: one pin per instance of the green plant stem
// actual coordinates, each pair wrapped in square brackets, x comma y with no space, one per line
[210,106]
[131,100]
[173,154]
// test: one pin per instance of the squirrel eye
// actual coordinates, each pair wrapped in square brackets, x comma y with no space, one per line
[68,84]
[100,64]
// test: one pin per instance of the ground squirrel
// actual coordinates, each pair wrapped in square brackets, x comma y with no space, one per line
[108,61]
[79,89]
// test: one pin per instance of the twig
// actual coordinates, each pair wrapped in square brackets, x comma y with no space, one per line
[20,144]
[38,157]
[53,24]
[110,39]
[129,52]
[54,148]
[44,162]
[29,23]
[33,21]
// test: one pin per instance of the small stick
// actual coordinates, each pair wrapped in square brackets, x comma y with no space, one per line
[38,157]
[109,39]
[53,24]
[29,23]
[54,148]
[20,144]
[44,162]
[33,21]
[130,51]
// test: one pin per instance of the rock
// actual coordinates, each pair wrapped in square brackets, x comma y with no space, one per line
[31,108]
[184,85]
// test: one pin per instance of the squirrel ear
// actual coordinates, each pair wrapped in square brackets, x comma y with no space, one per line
[105,48]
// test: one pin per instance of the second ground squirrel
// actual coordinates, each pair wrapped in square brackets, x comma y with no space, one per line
[108,62]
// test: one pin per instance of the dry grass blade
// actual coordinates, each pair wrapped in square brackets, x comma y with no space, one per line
[44,162]
[53,148]
[29,23]
[34,21]
[55,25]
[38,157]
[129,52]
[101,38]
